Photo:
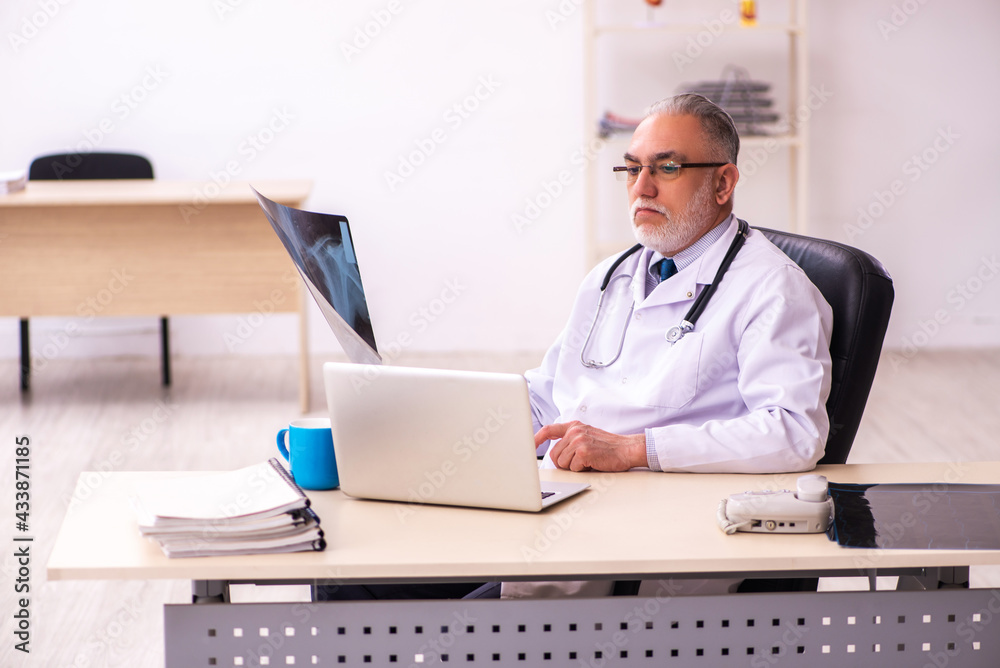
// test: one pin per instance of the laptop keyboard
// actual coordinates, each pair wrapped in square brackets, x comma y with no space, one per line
[546,495]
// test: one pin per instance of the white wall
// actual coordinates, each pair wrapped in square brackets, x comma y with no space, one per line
[188,82]
[915,88]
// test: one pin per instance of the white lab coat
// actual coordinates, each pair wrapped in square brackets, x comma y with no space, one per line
[744,392]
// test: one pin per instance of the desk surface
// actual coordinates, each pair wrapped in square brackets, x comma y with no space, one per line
[151,192]
[638,523]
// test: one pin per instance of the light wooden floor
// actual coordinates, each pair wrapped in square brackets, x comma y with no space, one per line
[222,413]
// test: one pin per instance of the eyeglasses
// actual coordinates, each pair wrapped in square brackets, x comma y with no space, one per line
[661,171]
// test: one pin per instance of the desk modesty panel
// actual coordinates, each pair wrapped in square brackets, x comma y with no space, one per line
[639,523]
[144,247]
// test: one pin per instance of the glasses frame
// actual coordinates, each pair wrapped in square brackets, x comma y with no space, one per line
[623,174]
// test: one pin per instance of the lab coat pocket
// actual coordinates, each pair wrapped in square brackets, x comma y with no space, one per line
[674,373]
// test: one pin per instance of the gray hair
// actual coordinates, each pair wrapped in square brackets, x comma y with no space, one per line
[723,138]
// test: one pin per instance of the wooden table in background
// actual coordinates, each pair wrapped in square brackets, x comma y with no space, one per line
[148,247]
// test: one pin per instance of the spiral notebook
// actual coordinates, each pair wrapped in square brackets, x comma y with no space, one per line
[253,510]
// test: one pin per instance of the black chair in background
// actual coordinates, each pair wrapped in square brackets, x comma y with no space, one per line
[82,166]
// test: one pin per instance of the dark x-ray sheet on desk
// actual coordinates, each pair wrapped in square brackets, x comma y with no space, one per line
[916,516]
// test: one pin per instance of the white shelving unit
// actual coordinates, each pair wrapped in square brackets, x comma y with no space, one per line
[790,139]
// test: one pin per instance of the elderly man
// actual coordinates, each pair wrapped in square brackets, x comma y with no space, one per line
[636,379]
[702,349]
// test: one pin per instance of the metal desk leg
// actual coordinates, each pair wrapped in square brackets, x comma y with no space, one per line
[165,350]
[210,591]
[945,577]
[25,356]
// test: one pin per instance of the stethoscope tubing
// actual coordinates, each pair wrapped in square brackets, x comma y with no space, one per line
[677,332]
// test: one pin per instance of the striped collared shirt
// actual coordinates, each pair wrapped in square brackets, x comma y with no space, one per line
[686,256]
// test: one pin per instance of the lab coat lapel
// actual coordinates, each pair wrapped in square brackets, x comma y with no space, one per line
[686,285]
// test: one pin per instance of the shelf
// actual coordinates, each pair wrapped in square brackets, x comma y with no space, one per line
[695,28]
[789,29]
[783,140]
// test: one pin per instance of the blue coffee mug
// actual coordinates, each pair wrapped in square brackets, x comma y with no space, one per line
[310,453]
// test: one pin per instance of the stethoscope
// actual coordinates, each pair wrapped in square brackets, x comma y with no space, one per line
[675,333]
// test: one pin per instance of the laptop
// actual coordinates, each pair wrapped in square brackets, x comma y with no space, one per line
[418,435]
[458,438]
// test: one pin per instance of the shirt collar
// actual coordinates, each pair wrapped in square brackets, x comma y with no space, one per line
[692,252]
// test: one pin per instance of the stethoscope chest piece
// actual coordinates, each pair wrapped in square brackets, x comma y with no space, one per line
[677,332]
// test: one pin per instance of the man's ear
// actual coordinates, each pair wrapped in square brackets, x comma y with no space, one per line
[728,176]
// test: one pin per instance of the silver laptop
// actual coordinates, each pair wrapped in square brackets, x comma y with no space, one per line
[458,438]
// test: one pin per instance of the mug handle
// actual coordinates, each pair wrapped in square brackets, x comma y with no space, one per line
[282,448]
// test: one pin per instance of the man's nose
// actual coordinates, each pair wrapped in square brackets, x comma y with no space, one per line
[644,185]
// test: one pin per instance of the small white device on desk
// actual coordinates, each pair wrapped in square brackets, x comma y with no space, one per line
[808,509]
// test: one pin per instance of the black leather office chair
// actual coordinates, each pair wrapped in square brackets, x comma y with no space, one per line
[80,166]
[859,290]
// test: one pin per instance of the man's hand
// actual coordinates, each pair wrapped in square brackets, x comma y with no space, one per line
[581,447]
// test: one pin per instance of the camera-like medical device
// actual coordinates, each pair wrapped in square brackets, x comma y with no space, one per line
[808,509]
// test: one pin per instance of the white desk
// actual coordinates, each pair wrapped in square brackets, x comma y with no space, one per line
[633,525]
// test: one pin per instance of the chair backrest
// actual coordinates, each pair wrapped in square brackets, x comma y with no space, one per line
[74,166]
[859,290]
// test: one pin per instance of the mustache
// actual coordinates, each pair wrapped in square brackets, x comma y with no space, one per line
[641,203]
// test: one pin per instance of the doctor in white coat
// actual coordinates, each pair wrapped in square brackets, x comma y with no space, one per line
[745,388]
[640,378]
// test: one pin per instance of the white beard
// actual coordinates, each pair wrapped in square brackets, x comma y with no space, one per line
[677,231]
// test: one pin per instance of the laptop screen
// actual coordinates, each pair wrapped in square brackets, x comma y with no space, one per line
[321,247]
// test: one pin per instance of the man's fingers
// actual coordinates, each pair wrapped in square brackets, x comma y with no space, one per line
[550,432]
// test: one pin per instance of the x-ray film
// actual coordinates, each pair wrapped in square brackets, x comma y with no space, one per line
[917,516]
[322,249]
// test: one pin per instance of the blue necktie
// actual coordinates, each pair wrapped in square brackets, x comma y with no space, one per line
[667,268]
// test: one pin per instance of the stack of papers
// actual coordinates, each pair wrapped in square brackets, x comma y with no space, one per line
[13,181]
[255,510]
